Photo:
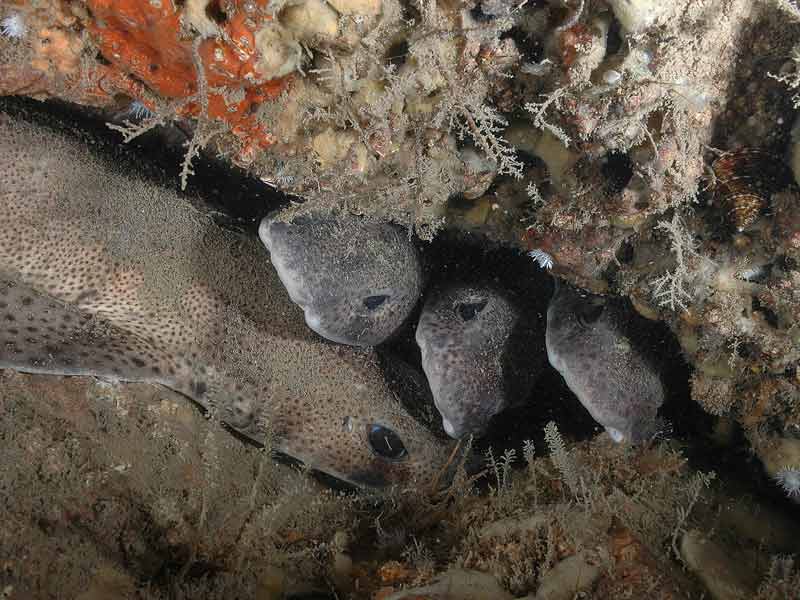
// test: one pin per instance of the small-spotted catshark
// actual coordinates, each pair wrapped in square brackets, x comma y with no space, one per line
[592,342]
[104,273]
[478,352]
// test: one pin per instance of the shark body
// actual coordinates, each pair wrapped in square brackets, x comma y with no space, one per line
[106,274]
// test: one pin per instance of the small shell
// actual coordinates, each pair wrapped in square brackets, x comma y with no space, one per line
[745,209]
[745,180]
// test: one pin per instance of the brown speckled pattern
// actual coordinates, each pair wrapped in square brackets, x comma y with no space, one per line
[468,358]
[588,344]
[154,291]
[332,265]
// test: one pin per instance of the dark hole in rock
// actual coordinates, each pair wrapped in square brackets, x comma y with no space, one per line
[215,12]
[531,50]
[530,160]
[397,54]
[769,315]
[625,253]
[618,171]
[480,16]
[745,350]
[102,60]
[614,38]
[786,263]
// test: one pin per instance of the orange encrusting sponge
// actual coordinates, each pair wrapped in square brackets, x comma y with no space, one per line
[142,40]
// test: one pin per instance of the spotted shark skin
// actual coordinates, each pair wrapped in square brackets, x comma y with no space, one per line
[590,343]
[105,274]
[478,353]
[356,281]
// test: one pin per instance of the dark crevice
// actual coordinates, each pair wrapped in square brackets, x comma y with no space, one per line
[614,39]
[215,12]
[769,315]
[480,16]
[617,169]
[397,54]
[531,49]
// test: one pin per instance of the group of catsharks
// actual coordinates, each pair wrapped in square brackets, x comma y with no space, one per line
[104,273]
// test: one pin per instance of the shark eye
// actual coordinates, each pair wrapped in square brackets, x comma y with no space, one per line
[373,302]
[590,313]
[385,442]
[469,310]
